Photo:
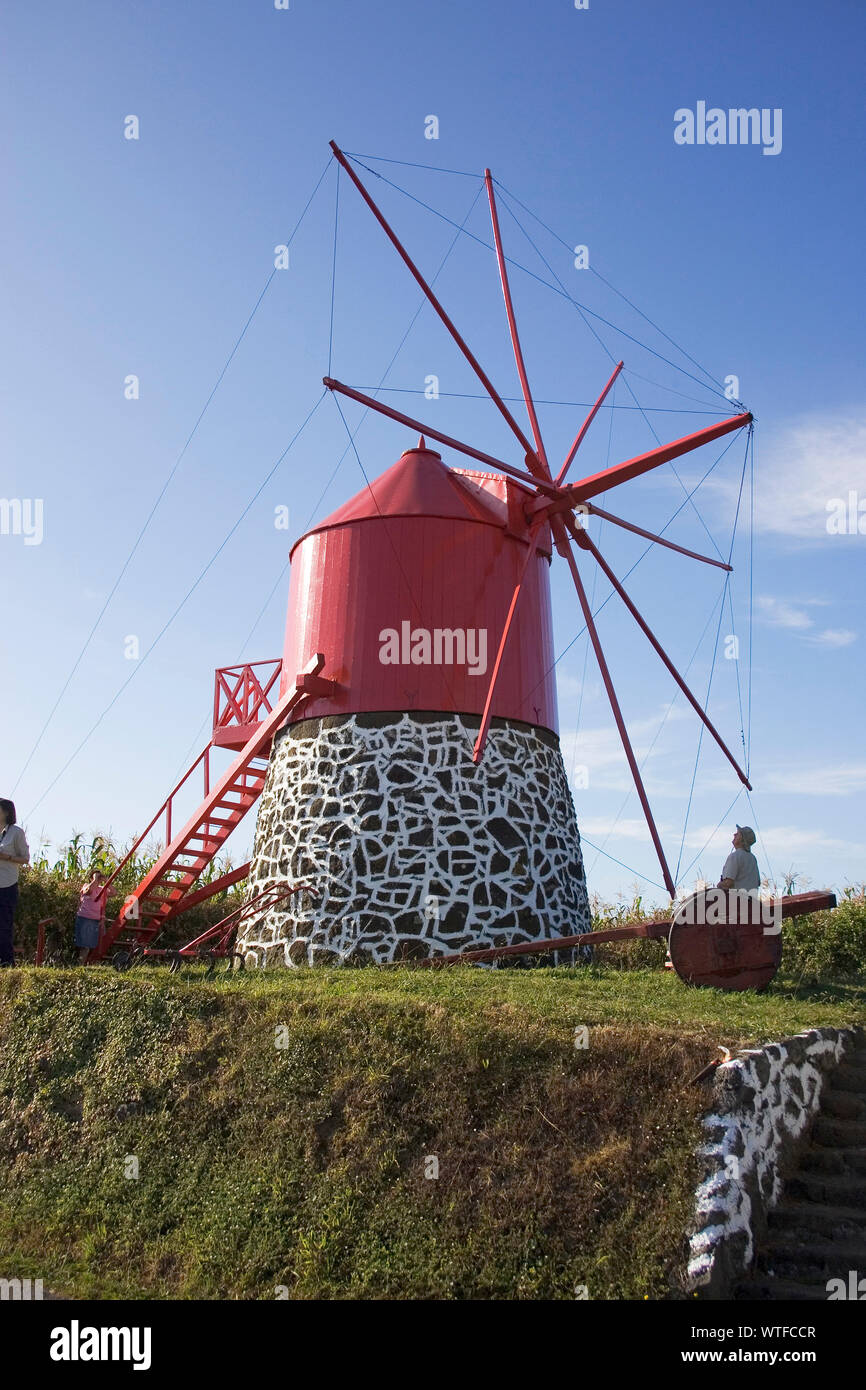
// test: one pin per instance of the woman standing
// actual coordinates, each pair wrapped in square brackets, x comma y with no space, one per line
[13,853]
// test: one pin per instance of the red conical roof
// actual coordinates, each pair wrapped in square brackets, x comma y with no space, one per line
[419,484]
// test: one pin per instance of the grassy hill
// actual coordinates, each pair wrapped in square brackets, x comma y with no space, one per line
[303,1165]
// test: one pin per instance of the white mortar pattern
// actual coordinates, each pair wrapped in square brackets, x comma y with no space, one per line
[414,849]
[758,1118]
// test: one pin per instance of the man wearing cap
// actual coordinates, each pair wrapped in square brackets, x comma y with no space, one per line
[740,869]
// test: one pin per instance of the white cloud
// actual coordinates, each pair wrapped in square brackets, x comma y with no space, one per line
[627,828]
[788,840]
[842,780]
[815,460]
[572,687]
[801,470]
[834,637]
[599,749]
[784,844]
[779,612]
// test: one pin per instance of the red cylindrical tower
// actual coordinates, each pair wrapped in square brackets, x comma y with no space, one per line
[424,550]
[372,792]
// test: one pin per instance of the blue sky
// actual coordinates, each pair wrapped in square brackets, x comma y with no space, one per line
[147,257]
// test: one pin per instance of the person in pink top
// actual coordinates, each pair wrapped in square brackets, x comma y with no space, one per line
[91,915]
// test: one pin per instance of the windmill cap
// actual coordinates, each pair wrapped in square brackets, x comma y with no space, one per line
[748,834]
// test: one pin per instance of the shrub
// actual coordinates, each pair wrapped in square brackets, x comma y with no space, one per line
[53,889]
[828,943]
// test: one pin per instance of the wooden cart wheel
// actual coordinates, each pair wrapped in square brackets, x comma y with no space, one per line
[715,941]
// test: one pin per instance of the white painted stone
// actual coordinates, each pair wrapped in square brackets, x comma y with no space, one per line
[758,1131]
[414,849]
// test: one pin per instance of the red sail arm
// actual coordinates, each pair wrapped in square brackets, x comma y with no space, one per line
[488,704]
[512,328]
[587,422]
[371,403]
[411,266]
[564,548]
[644,463]
[583,540]
[659,540]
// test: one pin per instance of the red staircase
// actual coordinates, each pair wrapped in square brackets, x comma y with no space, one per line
[168,888]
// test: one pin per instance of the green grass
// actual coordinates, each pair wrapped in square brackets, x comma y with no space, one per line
[304,1166]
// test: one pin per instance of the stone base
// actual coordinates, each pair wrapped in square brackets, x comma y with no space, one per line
[414,850]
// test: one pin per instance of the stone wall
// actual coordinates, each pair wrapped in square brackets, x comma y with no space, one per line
[763,1104]
[414,849]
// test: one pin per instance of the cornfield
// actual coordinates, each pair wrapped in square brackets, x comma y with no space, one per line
[51,885]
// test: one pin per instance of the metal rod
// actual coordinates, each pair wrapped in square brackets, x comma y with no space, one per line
[566,551]
[583,539]
[587,422]
[407,259]
[152,822]
[654,930]
[633,468]
[237,912]
[659,540]
[372,404]
[216,885]
[800,905]
[512,608]
[512,328]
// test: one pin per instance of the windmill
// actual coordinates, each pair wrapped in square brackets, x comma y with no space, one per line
[407,771]
[557,503]
[544,514]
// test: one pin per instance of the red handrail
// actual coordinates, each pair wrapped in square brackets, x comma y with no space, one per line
[203,757]
[238,912]
[240,697]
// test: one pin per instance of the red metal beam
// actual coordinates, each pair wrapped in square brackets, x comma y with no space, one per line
[512,328]
[583,540]
[547,487]
[512,608]
[659,540]
[802,904]
[210,890]
[587,422]
[263,901]
[643,463]
[656,931]
[40,938]
[415,272]
[566,551]
[799,905]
